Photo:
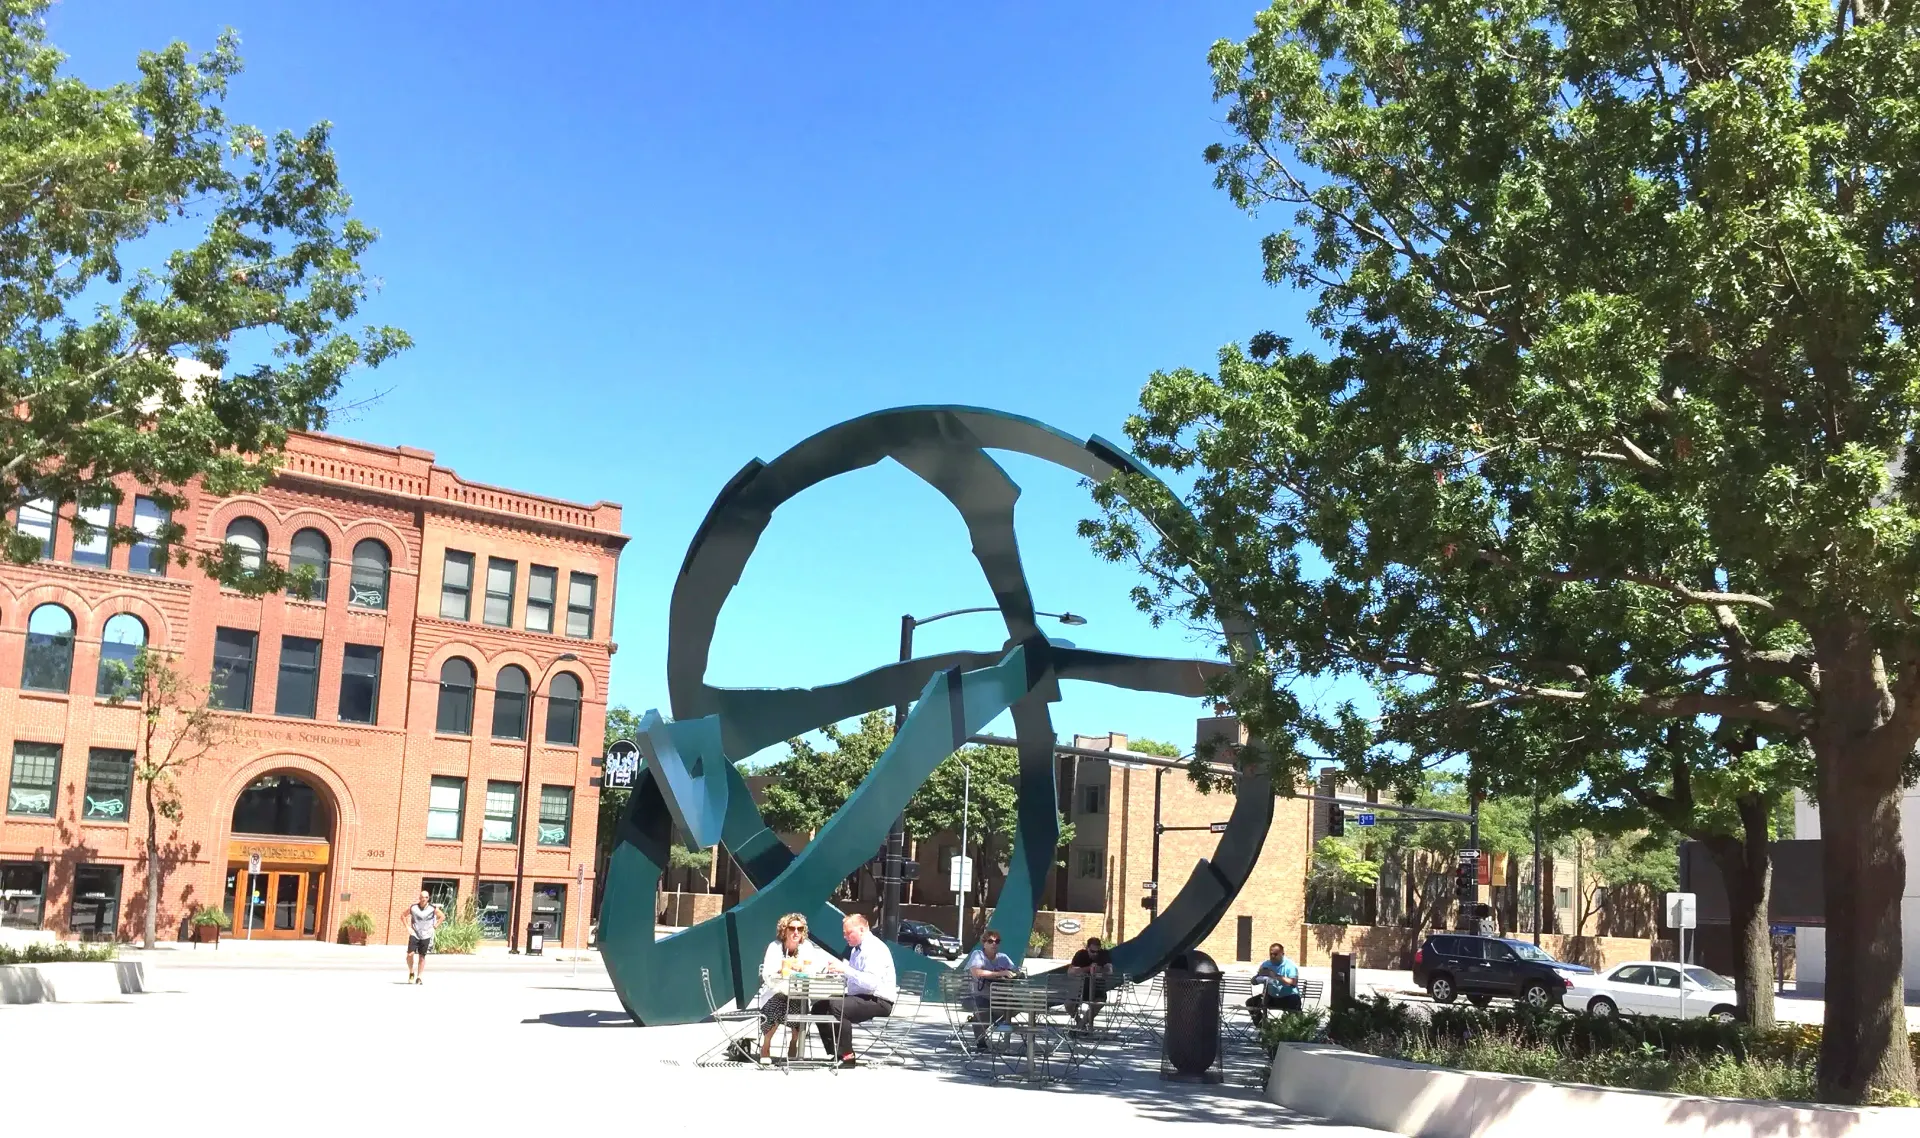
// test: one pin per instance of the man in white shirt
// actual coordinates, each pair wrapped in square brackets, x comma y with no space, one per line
[871,988]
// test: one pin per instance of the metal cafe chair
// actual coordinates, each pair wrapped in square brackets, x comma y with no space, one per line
[968,1023]
[1137,1007]
[1236,1019]
[1010,1001]
[1080,1046]
[802,993]
[889,1036]
[738,1028]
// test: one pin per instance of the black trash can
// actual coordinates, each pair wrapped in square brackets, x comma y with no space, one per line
[1190,1041]
[536,938]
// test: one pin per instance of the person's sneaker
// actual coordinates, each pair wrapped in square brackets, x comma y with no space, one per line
[849,1061]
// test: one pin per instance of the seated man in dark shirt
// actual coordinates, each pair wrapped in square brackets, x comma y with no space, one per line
[1092,970]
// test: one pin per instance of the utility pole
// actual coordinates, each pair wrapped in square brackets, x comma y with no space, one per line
[890,865]
[1539,891]
[965,875]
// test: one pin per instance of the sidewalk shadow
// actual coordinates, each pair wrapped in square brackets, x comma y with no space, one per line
[583,1019]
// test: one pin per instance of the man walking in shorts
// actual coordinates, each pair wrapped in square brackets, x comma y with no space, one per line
[422,919]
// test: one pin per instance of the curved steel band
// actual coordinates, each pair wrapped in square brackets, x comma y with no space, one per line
[691,782]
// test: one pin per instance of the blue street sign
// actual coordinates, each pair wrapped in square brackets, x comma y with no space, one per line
[1364,819]
[1780,930]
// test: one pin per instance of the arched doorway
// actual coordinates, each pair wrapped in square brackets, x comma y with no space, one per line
[278,858]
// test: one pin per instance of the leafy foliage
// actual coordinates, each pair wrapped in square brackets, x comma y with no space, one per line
[91,348]
[178,728]
[813,782]
[59,952]
[211,915]
[1611,437]
[461,935]
[357,921]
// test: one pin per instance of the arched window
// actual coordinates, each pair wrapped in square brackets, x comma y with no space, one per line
[120,642]
[49,663]
[250,538]
[563,710]
[370,564]
[456,698]
[510,703]
[312,550]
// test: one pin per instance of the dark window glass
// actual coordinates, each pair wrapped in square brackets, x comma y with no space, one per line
[542,582]
[312,550]
[109,793]
[456,698]
[120,642]
[496,908]
[96,902]
[36,520]
[360,684]
[443,892]
[146,555]
[1092,796]
[250,538]
[563,710]
[446,806]
[368,589]
[281,804]
[93,549]
[510,703]
[456,586]
[580,593]
[233,652]
[500,579]
[49,658]
[503,812]
[35,784]
[299,690]
[23,894]
[549,908]
[556,815]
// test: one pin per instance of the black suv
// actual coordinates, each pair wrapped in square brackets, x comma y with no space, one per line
[928,940]
[1482,967]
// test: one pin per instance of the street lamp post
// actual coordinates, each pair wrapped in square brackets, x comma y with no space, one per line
[964,878]
[897,835]
[526,778]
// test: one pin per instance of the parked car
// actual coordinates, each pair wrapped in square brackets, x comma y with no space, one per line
[1449,965]
[928,940]
[1656,987]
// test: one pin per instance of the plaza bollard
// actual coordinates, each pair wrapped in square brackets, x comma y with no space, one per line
[536,937]
[1190,1039]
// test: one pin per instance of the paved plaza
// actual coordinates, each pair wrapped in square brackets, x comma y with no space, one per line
[492,1042]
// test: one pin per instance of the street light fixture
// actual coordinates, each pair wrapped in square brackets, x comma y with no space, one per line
[526,779]
[897,836]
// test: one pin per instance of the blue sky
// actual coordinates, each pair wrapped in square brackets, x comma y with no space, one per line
[637,245]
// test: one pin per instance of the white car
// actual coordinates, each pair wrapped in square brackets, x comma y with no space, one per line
[1657,988]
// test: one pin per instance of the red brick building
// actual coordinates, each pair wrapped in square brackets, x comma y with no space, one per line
[377,735]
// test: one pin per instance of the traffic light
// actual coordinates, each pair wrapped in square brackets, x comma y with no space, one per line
[1466,879]
[1336,820]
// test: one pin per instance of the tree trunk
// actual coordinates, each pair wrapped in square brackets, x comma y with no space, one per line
[1860,748]
[1747,869]
[153,869]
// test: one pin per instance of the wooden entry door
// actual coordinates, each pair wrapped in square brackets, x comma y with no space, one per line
[281,904]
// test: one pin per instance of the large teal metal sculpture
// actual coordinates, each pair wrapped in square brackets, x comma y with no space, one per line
[689,781]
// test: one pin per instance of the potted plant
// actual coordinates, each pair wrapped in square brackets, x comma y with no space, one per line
[355,928]
[207,923]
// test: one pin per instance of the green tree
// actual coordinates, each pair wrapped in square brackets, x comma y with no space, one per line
[1338,868]
[808,786]
[1621,314]
[1723,790]
[91,348]
[1153,747]
[178,727]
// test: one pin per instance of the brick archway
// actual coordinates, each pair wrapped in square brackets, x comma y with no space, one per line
[301,878]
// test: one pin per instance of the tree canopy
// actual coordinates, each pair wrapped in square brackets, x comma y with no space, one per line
[259,295]
[1619,303]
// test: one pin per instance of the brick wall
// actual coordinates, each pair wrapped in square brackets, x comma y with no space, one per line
[372,778]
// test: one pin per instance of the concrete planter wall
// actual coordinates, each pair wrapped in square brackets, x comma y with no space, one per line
[1435,1102]
[71,983]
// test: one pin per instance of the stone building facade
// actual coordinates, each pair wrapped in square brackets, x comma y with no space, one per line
[428,718]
